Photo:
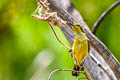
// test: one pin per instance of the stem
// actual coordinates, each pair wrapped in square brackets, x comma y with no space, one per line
[49,77]
[97,23]
[58,38]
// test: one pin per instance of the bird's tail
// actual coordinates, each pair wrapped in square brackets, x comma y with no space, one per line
[76,68]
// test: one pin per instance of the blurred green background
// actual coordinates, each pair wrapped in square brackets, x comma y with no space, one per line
[28,48]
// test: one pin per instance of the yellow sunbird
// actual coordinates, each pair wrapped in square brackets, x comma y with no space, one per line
[79,48]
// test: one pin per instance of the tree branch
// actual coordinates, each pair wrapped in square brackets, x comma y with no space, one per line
[104,14]
[95,43]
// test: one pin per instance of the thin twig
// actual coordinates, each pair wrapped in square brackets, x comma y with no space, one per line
[97,23]
[36,10]
[49,77]
[58,38]
[70,49]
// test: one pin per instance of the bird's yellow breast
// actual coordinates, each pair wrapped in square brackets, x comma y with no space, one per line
[80,48]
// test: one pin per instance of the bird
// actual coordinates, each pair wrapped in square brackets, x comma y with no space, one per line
[80,49]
